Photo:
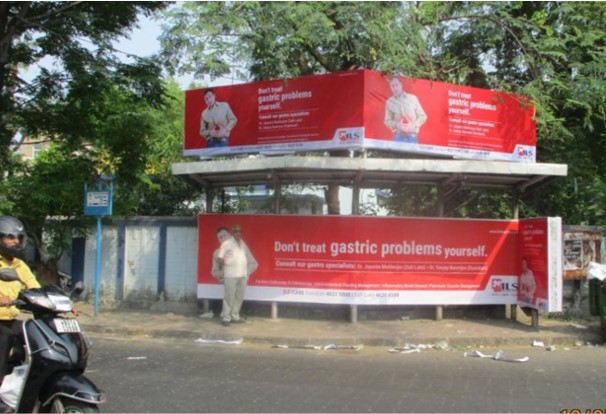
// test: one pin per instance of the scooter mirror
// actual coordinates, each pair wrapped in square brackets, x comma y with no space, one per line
[78,289]
[8,274]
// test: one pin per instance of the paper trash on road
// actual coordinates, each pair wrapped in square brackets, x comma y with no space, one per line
[348,347]
[312,347]
[501,356]
[498,356]
[404,350]
[596,271]
[538,343]
[135,358]
[409,348]
[207,315]
[477,354]
[318,347]
[220,341]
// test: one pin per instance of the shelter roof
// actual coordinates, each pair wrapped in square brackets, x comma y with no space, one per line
[366,172]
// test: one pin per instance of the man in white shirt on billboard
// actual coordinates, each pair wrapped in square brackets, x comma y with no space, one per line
[528,285]
[237,263]
[217,121]
[404,114]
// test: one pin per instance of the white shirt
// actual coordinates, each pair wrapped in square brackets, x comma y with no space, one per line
[237,259]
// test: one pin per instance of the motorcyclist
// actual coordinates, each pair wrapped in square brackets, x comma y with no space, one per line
[12,244]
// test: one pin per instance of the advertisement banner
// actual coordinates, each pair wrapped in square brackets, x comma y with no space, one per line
[540,283]
[359,109]
[581,248]
[369,260]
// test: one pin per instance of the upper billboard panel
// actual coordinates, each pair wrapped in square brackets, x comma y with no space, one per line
[359,109]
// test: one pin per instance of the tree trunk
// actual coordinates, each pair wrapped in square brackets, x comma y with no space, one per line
[47,272]
[331,194]
[332,199]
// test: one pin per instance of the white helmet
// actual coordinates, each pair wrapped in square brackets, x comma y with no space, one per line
[12,227]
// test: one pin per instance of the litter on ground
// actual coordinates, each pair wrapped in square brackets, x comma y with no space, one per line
[498,356]
[220,341]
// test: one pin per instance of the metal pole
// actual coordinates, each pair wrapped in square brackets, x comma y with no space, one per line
[98,266]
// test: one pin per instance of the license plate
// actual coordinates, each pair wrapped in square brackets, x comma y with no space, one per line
[67,325]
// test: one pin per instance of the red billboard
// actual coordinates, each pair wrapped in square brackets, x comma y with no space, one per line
[359,109]
[540,269]
[370,260]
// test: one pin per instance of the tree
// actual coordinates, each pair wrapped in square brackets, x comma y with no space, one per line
[157,191]
[61,102]
[136,143]
[551,52]
[90,106]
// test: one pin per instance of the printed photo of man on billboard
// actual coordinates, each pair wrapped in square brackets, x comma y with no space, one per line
[528,285]
[217,121]
[404,114]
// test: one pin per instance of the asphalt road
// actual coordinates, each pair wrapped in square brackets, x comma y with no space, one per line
[163,377]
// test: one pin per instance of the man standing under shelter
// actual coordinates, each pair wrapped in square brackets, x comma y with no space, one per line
[237,263]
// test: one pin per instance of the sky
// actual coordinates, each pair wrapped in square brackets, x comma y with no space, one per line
[144,42]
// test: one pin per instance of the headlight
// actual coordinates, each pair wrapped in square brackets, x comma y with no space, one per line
[61,303]
[43,302]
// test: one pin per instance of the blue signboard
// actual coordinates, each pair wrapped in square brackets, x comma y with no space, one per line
[98,202]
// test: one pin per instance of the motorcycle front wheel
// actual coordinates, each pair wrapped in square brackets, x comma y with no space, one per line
[72,406]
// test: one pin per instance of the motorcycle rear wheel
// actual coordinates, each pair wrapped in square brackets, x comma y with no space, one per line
[72,406]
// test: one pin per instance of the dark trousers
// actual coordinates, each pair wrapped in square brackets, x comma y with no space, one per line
[9,331]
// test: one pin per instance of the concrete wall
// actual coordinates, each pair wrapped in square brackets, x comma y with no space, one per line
[143,261]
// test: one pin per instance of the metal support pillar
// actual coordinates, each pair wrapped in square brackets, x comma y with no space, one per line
[98,264]
[274,310]
[511,310]
[439,308]
[209,209]
[353,313]
[439,312]
[277,197]
[534,319]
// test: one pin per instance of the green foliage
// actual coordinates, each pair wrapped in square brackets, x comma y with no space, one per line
[62,100]
[153,190]
[98,114]
[266,40]
[50,196]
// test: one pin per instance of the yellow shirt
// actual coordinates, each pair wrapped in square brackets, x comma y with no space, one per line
[12,289]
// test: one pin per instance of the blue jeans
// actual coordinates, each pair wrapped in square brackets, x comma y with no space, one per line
[216,142]
[410,139]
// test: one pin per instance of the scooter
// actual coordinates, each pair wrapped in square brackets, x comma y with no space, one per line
[54,355]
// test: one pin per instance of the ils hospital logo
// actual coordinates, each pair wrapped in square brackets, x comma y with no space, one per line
[501,286]
[525,152]
[349,135]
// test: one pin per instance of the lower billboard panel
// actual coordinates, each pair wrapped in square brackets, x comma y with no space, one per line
[382,260]
[500,291]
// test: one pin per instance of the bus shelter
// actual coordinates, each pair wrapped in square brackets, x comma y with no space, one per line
[447,175]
